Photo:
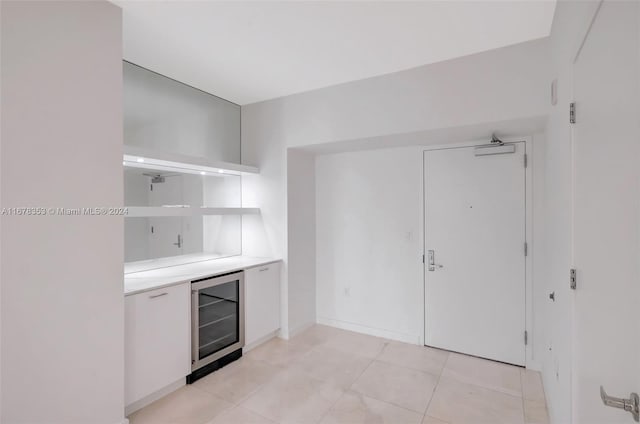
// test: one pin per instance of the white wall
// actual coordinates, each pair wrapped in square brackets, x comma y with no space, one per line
[570,23]
[369,242]
[301,239]
[62,294]
[503,89]
[497,85]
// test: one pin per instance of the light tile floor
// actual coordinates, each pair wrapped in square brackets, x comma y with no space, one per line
[331,376]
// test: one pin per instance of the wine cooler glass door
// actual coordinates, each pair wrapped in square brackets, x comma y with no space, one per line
[218,326]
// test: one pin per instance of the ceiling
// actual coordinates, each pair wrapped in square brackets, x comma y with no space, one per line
[246,52]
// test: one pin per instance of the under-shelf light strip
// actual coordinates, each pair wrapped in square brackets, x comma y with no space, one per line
[149,164]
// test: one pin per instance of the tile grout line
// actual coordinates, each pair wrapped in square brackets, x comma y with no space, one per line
[257,413]
[412,368]
[524,415]
[259,388]
[348,389]
[480,386]
[493,389]
[424,416]
[382,400]
[233,405]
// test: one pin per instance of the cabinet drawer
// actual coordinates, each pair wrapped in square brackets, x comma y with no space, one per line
[262,302]
[157,340]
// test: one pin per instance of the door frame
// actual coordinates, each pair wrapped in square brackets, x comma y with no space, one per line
[530,361]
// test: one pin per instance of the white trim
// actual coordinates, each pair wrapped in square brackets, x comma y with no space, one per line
[141,403]
[529,289]
[300,329]
[260,341]
[124,421]
[534,366]
[377,332]
[528,143]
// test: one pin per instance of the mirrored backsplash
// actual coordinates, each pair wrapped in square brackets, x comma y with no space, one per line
[166,115]
[192,238]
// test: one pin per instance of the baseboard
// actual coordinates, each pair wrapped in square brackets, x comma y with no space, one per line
[124,421]
[533,365]
[300,329]
[377,332]
[139,404]
[264,339]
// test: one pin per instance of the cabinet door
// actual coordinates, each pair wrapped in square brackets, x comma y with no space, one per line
[262,308]
[157,340]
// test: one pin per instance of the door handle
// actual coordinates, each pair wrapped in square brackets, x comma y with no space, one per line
[179,243]
[631,405]
[552,296]
[432,261]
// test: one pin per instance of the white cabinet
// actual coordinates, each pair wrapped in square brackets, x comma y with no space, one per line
[157,340]
[262,302]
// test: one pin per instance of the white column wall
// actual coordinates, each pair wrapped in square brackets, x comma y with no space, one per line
[571,22]
[61,146]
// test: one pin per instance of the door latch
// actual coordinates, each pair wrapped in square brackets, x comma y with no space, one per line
[630,405]
[432,261]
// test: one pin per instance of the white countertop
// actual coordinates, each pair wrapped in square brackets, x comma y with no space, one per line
[141,281]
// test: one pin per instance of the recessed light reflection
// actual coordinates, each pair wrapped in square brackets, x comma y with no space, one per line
[140,160]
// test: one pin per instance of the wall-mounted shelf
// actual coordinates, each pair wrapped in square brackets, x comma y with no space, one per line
[165,161]
[159,211]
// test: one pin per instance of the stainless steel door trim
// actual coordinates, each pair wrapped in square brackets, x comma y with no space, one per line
[195,334]
[216,281]
[197,363]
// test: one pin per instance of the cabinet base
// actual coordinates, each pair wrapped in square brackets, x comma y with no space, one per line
[215,365]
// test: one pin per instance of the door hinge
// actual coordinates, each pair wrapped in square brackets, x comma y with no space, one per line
[422,258]
[526,337]
[572,113]
[150,187]
[573,279]
[525,160]
[526,249]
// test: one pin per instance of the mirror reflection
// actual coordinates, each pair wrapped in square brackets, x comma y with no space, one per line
[166,115]
[197,237]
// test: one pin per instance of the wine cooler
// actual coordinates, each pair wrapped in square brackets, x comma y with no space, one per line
[217,319]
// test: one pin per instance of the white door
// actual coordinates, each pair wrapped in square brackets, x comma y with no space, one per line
[606,217]
[166,235]
[475,226]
